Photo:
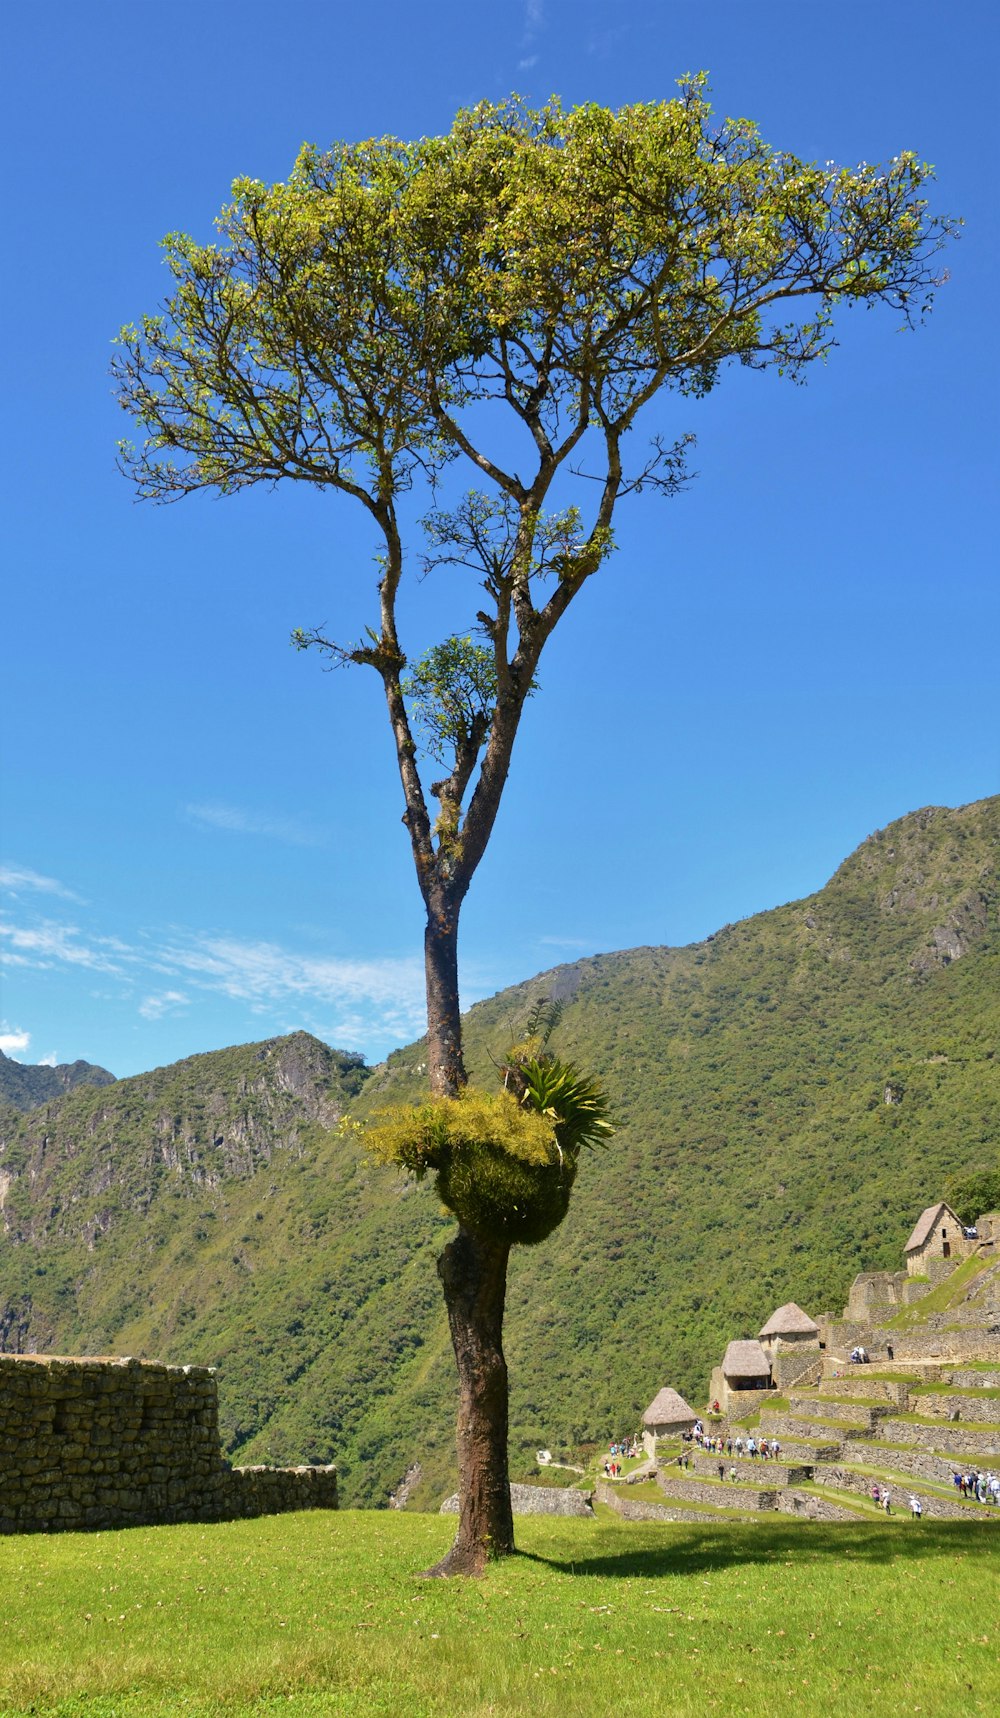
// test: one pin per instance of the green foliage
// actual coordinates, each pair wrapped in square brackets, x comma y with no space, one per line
[973,1193]
[452,691]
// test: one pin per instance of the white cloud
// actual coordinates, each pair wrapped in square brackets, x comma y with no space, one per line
[237,821]
[49,1061]
[166,1002]
[381,999]
[564,942]
[527,63]
[18,877]
[13,1042]
[46,944]
[261,974]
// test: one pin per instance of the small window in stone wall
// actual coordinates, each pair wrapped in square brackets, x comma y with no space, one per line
[148,1420]
[60,1418]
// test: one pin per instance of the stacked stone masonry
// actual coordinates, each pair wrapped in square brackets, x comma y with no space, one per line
[538,1500]
[117,1443]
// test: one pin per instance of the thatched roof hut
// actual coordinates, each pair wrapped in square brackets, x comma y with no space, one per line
[789,1321]
[745,1361]
[669,1409]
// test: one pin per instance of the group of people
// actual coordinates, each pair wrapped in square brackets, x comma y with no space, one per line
[981,1487]
[625,1448]
[767,1449]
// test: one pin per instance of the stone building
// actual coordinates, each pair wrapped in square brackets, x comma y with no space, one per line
[936,1243]
[667,1416]
[786,1328]
[791,1341]
[743,1378]
[118,1443]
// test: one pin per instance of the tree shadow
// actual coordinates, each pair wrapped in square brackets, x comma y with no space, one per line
[722,1548]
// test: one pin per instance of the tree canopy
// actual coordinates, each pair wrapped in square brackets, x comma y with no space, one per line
[507,298]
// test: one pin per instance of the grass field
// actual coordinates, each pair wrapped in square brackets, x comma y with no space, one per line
[322,1614]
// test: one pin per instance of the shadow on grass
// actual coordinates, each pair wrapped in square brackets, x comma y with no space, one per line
[795,1542]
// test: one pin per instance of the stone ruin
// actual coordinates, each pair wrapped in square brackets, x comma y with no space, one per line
[119,1443]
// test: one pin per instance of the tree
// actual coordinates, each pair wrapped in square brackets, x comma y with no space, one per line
[506,299]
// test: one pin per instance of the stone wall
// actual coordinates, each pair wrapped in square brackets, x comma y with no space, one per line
[812,1508]
[966,1343]
[723,1494]
[917,1463]
[842,1479]
[796,1366]
[538,1500]
[739,1404]
[858,1383]
[978,1380]
[631,1510]
[960,1440]
[981,1410]
[751,1469]
[119,1443]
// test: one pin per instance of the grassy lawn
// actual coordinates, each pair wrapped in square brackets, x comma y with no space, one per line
[321,1614]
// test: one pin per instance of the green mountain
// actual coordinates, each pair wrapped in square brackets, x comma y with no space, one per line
[790,1093]
[26,1085]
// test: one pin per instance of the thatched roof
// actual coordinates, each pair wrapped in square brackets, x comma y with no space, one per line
[926,1222]
[668,1409]
[745,1360]
[789,1320]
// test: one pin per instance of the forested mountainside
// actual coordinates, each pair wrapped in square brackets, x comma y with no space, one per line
[24,1085]
[790,1094]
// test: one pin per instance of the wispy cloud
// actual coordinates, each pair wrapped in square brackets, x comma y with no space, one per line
[262,974]
[17,878]
[164,1002]
[49,1061]
[564,942]
[49,944]
[384,995]
[12,1041]
[236,820]
[534,20]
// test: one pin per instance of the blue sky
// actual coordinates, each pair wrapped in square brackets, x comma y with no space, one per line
[200,829]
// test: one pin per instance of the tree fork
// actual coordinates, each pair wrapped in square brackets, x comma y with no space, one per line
[473,1272]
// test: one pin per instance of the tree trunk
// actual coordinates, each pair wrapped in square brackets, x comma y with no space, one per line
[444,1021]
[474,1274]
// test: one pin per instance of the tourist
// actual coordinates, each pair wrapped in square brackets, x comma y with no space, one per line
[876,1495]
[739,1444]
[732,1474]
[886,1501]
[722,1470]
[916,1508]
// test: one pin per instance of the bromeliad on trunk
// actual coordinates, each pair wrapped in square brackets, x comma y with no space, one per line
[505,1163]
